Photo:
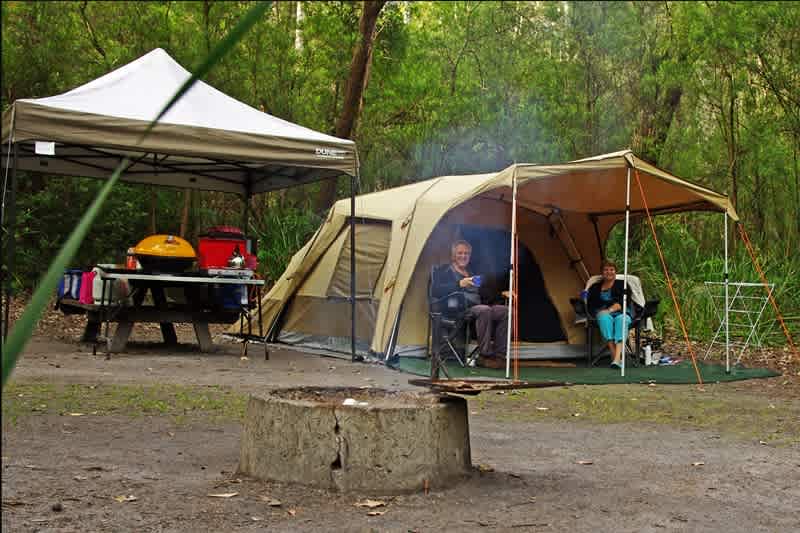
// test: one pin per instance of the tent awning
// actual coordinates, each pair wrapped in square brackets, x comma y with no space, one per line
[596,187]
[208,140]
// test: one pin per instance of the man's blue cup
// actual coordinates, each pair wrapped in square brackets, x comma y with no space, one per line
[476,280]
[584,295]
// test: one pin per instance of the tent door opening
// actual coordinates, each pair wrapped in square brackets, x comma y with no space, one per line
[538,318]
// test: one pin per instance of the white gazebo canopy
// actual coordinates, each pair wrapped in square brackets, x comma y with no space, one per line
[207,141]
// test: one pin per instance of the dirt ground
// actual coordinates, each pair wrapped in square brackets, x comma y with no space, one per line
[63,473]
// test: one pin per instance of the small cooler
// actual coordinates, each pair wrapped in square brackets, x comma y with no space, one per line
[218,245]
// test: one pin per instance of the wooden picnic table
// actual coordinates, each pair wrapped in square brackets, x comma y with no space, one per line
[161,311]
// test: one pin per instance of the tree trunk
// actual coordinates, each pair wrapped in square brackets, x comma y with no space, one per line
[153,207]
[354,90]
[187,202]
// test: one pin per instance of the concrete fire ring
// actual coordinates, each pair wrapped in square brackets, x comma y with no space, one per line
[382,442]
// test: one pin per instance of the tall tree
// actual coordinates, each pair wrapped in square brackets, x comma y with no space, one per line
[354,88]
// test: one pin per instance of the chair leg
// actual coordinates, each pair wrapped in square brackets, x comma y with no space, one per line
[455,352]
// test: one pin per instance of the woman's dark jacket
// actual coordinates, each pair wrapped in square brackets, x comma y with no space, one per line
[595,304]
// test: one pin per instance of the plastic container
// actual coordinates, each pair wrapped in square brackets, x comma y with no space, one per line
[214,252]
[230,297]
[88,280]
[131,263]
[70,284]
[648,356]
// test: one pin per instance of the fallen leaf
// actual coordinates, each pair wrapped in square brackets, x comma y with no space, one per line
[124,499]
[584,462]
[698,463]
[376,513]
[224,495]
[370,503]
[272,502]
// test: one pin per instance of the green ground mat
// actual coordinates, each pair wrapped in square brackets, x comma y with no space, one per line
[681,373]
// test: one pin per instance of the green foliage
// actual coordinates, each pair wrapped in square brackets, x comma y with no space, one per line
[282,233]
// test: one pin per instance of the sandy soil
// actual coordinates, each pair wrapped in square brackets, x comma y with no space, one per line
[641,478]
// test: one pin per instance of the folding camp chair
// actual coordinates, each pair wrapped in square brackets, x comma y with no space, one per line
[450,315]
[641,316]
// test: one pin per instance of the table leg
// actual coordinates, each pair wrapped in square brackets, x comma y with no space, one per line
[167,328]
[261,324]
[203,336]
[92,329]
[121,336]
[104,313]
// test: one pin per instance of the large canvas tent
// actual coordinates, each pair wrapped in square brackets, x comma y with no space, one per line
[207,140]
[564,214]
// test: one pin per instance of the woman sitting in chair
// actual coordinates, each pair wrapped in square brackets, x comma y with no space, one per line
[491,319]
[605,304]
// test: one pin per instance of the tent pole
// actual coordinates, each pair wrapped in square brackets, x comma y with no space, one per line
[353,355]
[511,272]
[11,213]
[625,269]
[727,331]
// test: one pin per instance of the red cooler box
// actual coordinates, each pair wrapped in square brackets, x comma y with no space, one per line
[218,245]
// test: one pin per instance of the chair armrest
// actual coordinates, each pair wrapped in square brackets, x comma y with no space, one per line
[453,303]
[650,308]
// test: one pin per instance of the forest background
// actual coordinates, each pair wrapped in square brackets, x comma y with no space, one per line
[707,90]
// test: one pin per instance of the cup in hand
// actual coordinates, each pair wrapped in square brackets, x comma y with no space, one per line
[476,280]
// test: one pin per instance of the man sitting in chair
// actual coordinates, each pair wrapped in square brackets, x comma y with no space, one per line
[605,303]
[491,317]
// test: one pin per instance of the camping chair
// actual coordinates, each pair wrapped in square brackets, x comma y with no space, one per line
[449,314]
[643,311]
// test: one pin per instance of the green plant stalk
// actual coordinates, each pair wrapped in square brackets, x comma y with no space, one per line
[23,329]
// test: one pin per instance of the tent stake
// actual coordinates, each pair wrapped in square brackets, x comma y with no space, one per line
[625,270]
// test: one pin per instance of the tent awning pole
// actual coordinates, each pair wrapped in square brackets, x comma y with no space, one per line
[511,273]
[625,268]
[727,331]
[353,355]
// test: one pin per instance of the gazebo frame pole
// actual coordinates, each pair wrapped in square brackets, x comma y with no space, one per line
[727,330]
[625,269]
[353,355]
[511,272]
